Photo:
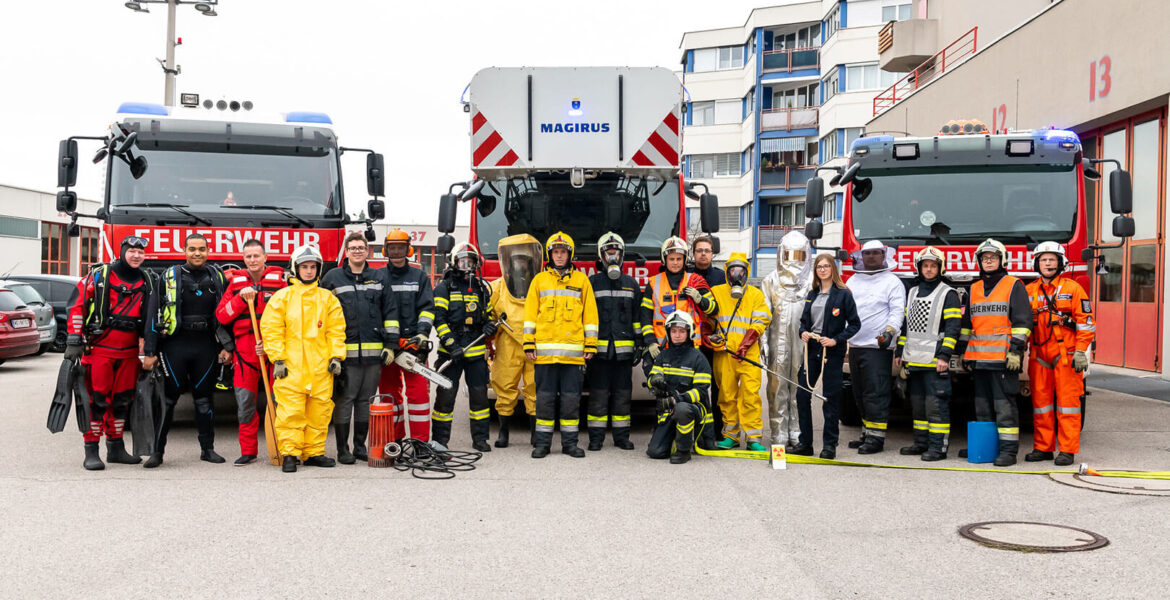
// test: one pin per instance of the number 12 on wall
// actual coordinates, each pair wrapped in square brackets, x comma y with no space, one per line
[1099,79]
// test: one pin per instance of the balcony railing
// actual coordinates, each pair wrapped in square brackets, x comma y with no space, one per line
[792,59]
[787,119]
[785,178]
[950,57]
[770,235]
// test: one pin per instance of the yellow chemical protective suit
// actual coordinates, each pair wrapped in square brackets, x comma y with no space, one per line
[303,326]
[510,364]
[741,320]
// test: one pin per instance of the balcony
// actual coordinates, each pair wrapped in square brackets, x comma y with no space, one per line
[903,45]
[770,235]
[949,58]
[785,177]
[792,59]
[787,119]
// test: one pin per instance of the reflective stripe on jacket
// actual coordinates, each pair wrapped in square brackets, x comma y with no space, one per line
[560,318]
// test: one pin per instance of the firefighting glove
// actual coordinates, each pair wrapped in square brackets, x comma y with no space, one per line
[1014,361]
[387,356]
[666,403]
[73,351]
[693,294]
[455,352]
[279,370]
[417,341]
[335,366]
[657,383]
[653,350]
[490,328]
[1080,361]
[887,336]
[903,373]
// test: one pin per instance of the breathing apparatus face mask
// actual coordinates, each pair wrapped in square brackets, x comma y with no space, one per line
[737,278]
[520,266]
[612,262]
[465,264]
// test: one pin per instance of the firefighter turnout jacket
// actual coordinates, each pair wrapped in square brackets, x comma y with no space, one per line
[560,318]
[371,314]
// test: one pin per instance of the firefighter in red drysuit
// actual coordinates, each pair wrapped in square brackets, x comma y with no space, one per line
[107,319]
[257,282]
[1061,336]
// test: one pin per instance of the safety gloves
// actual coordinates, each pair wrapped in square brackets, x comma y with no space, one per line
[1014,361]
[387,356]
[335,366]
[693,294]
[417,341]
[490,328]
[1080,361]
[653,350]
[279,370]
[749,339]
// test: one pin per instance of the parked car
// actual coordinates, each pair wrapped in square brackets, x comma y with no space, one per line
[18,330]
[57,290]
[46,323]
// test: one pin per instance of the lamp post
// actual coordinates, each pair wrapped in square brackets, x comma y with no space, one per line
[206,7]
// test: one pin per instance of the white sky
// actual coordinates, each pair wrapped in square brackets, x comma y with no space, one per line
[388,72]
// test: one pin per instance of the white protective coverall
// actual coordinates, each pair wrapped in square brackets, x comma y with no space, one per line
[785,290]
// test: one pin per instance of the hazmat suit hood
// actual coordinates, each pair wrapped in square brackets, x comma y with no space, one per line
[794,260]
[737,259]
[858,266]
[519,262]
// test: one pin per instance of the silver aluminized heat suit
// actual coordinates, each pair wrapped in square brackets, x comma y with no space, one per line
[785,290]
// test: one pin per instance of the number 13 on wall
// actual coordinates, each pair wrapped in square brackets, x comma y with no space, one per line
[1099,79]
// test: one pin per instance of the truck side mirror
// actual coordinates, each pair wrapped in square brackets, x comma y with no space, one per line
[813,230]
[849,174]
[67,202]
[814,198]
[74,230]
[67,163]
[473,190]
[709,213]
[138,167]
[485,205]
[861,188]
[714,245]
[1120,193]
[369,234]
[375,175]
[448,203]
[1123,227]
[376,209]
[445,244]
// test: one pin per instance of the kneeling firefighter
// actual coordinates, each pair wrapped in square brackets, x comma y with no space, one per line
[619,330]
[930,330]
[463,324]
[681,380]
[303,329]
[519,263]
[742,317]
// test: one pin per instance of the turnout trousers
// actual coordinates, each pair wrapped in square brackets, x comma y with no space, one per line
[930,399]
[995,400]
[870,369]
[558,381]
[475,374]
[675,430]
[610,387]
[396,381]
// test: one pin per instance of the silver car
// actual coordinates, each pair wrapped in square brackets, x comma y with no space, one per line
[46,323]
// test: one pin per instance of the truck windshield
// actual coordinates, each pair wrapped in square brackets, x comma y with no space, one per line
[644,211]
[964,205]
[212,184]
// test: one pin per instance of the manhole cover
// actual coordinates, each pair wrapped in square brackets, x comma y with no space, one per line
[1024,536]
[1114,485]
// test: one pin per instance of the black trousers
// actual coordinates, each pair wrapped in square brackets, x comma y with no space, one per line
[930,399]
[475,374]
[676,430]
[610,387]
[190,360]
[716,414]
[995,400]
[870,369]
[555,382]
[832,376]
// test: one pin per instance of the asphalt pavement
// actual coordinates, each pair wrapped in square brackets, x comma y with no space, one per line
[614,524]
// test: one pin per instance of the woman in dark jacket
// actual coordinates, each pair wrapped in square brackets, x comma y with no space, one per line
[829,320]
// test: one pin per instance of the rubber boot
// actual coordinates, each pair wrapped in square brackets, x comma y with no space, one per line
[209,455]
[344,456]
[937,448]
[755,446]
[320,461]
[502,438]
[92,461]
[540,451]
[360,429]
[727,444]
[596,437]
[290,464]
[116,453]
[573,451]
[1037,456]
[481,446]
[855,444]
[872,445]
[919,446]
[1005,460]
[621,438]
[680,457]
[1065,459]
[155,460]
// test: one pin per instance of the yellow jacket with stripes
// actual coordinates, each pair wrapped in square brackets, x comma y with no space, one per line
[560,318]
[737,316]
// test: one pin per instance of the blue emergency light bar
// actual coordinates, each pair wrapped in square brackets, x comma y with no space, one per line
[307,117]
[142,108]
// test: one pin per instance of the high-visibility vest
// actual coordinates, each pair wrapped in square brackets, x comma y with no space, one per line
[667,300]
[991,329]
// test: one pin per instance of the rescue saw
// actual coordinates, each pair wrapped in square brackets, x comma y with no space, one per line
[408,362]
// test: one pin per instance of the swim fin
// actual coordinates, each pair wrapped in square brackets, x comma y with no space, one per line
[142,414]
[80,385]
[59,409]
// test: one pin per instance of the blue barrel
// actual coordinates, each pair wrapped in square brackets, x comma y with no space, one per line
[982,441]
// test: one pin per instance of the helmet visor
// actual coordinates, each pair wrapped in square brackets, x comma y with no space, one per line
[519,264]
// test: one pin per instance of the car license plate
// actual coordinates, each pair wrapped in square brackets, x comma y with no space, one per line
[21,323]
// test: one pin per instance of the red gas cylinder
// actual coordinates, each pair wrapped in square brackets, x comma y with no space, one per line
[384,412]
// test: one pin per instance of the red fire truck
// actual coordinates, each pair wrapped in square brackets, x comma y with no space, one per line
[173,171]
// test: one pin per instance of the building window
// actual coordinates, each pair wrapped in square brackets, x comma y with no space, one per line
[745,216]
[868,77]
[851,135]
[832,21]
[90,253]
[730,57]
[788,214]
[54,249]
[17,227]
[805,37]
[830,211]
[715,165]
[716,112]
[702,113]
[718,59]
[831,84]
[829,145]
[805,95]
[729,218]
[897,12]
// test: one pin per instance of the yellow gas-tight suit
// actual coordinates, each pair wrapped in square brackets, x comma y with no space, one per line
[303,326]
[510,365]
[738,381]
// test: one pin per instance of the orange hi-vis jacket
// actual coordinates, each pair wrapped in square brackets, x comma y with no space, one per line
[1053,339]
[990,327]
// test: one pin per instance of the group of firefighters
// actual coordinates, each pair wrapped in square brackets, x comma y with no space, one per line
[702,336]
